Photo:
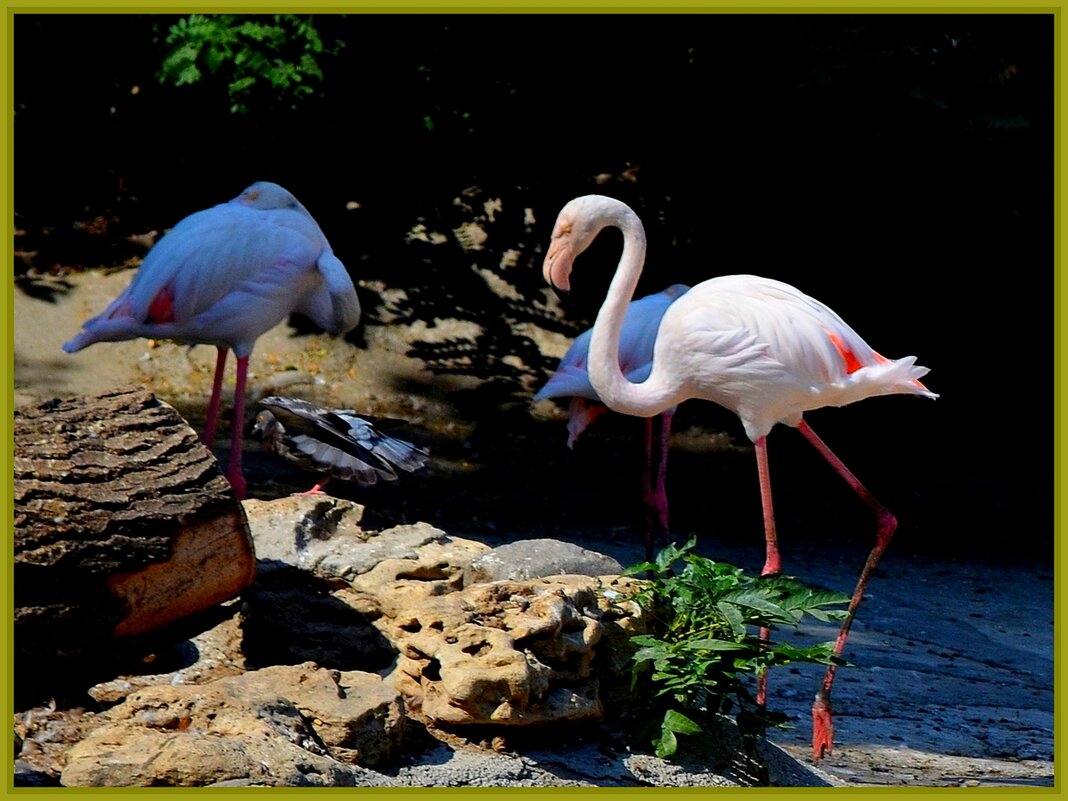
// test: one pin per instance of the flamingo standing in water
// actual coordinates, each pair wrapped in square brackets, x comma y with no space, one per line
[571,379]
[756,346]
[224,276]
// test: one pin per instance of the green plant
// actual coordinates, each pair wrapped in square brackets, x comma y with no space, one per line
[706,642]
[273,59]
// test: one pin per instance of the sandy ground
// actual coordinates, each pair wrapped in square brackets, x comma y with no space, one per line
[952,670]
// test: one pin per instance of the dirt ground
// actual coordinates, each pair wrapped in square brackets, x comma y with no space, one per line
[951,680]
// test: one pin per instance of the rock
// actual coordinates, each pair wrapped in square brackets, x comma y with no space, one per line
[527,559]
[294,726]
[47,733]
[291,616]
[344,607]
[508,653]
[322,535]
[213,653]
[328,589]
[28,776]
[434,569]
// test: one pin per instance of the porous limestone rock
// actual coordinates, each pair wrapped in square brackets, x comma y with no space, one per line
[512,653]
[283,725]
[434,569]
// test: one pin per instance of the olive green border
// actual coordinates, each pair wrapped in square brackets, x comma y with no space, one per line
[1008,381]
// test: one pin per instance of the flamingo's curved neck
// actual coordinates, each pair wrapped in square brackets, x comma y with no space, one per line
[651,396]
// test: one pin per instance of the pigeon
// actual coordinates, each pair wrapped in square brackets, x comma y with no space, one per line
[335,443]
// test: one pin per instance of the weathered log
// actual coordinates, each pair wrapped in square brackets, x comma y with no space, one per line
[123,523]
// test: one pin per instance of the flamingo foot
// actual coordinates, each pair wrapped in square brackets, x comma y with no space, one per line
[216,397]
[822,726]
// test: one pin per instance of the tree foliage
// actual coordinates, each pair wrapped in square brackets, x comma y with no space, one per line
[262,59]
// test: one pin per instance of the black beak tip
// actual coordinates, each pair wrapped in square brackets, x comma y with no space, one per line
[564,295]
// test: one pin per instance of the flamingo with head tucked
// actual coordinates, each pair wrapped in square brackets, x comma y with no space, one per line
[759,347]
[572,380]
[224,276]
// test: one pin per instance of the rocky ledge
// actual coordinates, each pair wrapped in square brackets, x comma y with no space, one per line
[400,657]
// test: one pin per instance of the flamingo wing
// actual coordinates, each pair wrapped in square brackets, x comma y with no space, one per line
[769,352]
[220,276]
[640,325]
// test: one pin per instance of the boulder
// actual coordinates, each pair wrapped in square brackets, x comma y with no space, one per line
[511,653]
[535,558]
[286,725]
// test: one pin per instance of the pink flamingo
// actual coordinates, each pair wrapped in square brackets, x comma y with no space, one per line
[635,359]
[756,346]
[224,276]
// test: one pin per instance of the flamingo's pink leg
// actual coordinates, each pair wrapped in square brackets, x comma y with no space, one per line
[660,491]
[647,488]
[216,395]
[654,488]
[772,561]
[233,471]
[822,722]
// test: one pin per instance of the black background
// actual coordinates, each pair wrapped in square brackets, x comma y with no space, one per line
[898,167]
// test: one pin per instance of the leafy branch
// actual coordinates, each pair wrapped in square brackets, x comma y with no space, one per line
[274,57]
[706,643]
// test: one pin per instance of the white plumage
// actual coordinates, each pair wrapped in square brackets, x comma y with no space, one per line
[759,347]
[226,275]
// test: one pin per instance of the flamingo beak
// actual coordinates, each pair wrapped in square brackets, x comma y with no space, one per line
[567,302]
[557,266]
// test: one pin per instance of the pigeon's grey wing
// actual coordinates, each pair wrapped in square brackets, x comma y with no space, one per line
[341,464]
[368,445]
[396,452]
[301,408]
